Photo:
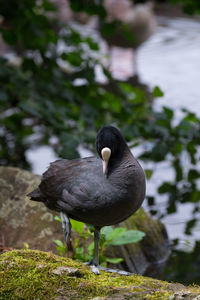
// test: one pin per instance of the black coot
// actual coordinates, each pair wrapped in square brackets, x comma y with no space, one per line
[98,191]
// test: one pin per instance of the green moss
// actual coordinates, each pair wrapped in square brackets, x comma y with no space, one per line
[30,274]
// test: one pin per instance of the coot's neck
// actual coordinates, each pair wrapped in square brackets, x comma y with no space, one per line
[117,159]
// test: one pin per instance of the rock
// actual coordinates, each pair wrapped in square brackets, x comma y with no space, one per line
[67,270]
[26,223]
[149,256]
[24,280]
[21,220]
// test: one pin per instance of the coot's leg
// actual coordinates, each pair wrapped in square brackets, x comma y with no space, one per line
[95,261]
[94,265]
[66,226]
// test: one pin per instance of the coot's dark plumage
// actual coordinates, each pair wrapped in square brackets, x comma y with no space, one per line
[83,190]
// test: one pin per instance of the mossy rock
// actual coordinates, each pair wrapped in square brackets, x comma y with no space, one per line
[33,274]
[22,220]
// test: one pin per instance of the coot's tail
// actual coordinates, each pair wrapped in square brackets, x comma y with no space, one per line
[35,195]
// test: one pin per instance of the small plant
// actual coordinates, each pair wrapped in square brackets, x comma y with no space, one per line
[116,237]
[109,237]
[26,245]
[60,247]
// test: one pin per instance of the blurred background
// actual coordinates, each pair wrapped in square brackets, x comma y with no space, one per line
[69,67]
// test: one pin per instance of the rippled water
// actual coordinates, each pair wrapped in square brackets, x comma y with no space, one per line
[171,59]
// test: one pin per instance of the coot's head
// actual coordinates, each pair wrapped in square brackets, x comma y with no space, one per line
[110,146]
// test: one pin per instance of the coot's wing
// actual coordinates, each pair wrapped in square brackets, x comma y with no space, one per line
[62,174]
[73,182]
[78,200]
[50,183]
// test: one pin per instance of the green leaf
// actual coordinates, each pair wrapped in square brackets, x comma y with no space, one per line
[106,230]
[115,233]
[166,187]
[195,197]
[190,225]
[130,236]
[114,260]
[26,245]
[74,58]
[103,264]
[148,173]
[190,117]
[90,227]
[127,33]
[157,92]
[48,6]
[159,151]
[31,108]
[151,200]
[193,174]
[57,218]
[3,96]
[91,248]
[178,170]
[109,29]
[69,144]
[77,226]
[61,250]
[9,36]
[59,243]
[93,45]
[169,113]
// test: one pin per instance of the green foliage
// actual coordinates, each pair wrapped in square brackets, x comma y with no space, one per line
[125,237]
[157,92]
[77,226]
[38,98]
[189,6]
[90,7]
[27,19]
[82,251]
[60,247]
[26,245]
[148,173]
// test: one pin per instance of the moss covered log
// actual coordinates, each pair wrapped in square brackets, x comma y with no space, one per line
[33,274]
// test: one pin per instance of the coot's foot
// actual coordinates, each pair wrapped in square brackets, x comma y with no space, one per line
[121,272]
[96,269]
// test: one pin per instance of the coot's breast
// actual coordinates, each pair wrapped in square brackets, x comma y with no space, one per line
[111,199]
